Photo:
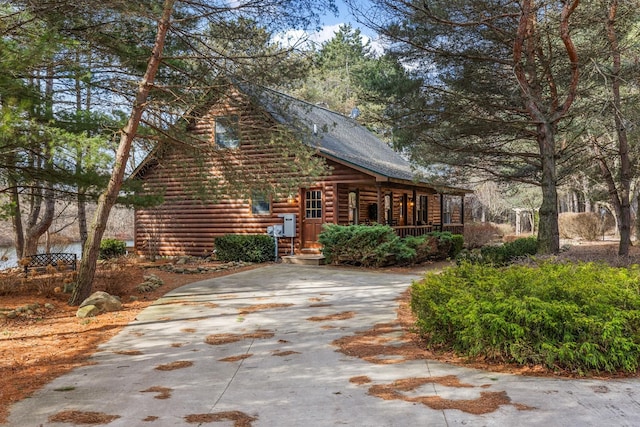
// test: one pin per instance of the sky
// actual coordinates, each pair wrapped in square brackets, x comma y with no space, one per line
[330,24]
[344,16]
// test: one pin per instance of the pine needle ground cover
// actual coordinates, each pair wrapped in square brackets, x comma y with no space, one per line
[583,318]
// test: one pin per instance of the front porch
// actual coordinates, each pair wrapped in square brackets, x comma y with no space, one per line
[420,230]
[411,210]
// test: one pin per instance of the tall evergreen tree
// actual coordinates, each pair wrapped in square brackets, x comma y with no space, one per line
[611,132]
[500,79]
[347,76]
[34,95]
[163,57]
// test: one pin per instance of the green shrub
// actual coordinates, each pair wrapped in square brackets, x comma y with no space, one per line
[435,245]
[449,244]
[500,255]
[521,247]
[112,248]
[379,245]
[245,247]
[576,317]
[425,247]
[363,245]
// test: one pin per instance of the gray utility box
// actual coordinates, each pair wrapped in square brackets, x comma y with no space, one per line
[289,225]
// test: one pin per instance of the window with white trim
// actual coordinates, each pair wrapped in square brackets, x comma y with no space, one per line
[260,204]
[227,133]
[313,207]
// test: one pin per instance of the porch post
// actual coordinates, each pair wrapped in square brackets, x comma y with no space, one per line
[380,207]
[414,208]
[441,212]
[462,207]
[336,204]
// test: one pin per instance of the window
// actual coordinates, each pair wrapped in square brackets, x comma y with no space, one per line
[446,211]
[313,204]
[388,213]
[227,134]
[260,204]
[353,207]
[423,211]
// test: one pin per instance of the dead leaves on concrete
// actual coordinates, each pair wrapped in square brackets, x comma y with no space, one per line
[284,353]
[487,402]
[236,358]
[82,417]
[338,316]
[162,392]
[261,307]
[387,343]
[240,419]
[220,339]
[179,364]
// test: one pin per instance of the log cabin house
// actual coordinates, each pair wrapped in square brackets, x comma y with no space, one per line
[367,181]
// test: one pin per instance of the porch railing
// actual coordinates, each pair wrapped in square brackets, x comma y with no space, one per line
[419,230]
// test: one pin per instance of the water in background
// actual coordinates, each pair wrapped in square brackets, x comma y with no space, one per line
[12,261]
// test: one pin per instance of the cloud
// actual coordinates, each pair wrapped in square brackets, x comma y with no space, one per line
[305,40]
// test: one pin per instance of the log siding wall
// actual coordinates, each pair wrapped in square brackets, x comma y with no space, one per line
[185,225]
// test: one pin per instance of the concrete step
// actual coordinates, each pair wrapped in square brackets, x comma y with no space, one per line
[316,259]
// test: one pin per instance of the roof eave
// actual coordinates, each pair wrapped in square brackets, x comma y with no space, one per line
[378,177]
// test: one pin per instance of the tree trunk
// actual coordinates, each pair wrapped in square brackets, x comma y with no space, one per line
[587,201]
[82,216]
[638,217]
[81,198]
[546,115]
[38,225]
[35,231]
[18,232]
[532,222]
[623,194]
[108,198]
[548,231]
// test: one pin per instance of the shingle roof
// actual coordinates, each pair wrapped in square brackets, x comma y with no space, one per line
[337,136]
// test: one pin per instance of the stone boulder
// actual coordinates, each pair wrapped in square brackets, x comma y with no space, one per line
[87,311]
[151,283]
[103,302]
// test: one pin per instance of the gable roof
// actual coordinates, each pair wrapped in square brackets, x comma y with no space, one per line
[335,136]
[341,138]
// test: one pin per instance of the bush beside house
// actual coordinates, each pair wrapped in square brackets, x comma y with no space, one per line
[245,247]
[377,246]
[112,248]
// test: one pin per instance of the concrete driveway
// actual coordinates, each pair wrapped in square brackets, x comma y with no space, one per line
[258,348]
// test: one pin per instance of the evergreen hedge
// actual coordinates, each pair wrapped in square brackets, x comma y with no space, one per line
[500,255]
[363,245]
[245,247]
[579,318]
[378,245]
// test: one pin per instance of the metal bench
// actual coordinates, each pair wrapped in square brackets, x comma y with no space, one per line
[53,259]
